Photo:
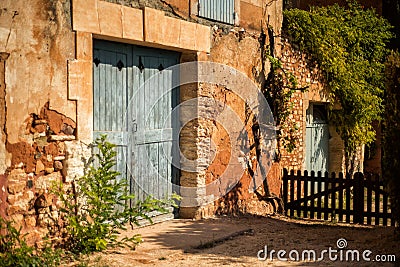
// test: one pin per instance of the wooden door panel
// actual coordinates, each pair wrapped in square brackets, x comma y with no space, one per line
[132,103]
[317,141]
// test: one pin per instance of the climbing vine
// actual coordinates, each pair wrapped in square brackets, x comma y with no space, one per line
[278,90]
[350,45]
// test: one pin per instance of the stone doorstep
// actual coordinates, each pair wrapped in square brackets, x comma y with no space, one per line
[157,217]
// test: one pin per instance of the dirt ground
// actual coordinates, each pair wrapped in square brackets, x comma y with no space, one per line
[236,241]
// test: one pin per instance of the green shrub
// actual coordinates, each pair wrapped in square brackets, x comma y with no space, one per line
[97,207]
[14,251]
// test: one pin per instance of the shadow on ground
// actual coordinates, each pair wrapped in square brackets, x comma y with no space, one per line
[237,241]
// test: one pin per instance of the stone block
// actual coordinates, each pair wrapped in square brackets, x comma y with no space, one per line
[110,19]
[189,179]
[44,220]
[190,213]
[132,23]
[40,128]
[84,46]
[49,170]
[39,167]
[80,88]
[12,199]
[57,165]
[182,6]
[188,35]
[77,155]
[45,181]
[68,130]
[62,137]
[77,77]
[85,120]
[17,219]
[35,237]
[154,25]
[84,16]
[19,206]
[19,202]
[30,221]
[28,195]
[203,39]
[16,175]
[16,181]
[171,32]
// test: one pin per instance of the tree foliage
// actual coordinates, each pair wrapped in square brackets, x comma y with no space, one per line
[350,45]
[391,134]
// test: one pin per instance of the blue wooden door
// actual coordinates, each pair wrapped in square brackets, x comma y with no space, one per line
[132,103]
[110,96]
[153,127]
[317,139]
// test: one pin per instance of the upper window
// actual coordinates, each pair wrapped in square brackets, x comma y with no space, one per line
[218,10]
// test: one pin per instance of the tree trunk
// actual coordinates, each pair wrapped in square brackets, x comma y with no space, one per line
[354,160]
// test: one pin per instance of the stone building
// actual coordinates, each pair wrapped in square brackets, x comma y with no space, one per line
[369,157]
[70,69]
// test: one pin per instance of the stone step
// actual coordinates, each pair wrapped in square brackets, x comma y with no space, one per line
[157,217]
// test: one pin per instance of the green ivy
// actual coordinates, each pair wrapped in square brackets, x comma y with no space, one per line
[350,45]
[278,89]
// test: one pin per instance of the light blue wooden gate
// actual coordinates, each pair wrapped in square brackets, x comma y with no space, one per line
[133,110]
[317,139]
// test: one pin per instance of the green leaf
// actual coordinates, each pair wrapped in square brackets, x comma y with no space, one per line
[350,46]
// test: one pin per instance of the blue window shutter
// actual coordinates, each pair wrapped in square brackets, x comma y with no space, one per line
[218,10]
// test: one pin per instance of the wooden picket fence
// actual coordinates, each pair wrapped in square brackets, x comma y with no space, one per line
[359,199]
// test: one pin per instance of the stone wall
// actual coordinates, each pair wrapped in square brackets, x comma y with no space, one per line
[36,70]
[242,51]
[50,154]
[38,143]
[308,75]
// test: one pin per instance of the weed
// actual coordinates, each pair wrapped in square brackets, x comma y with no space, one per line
[98,206]
[14,250]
